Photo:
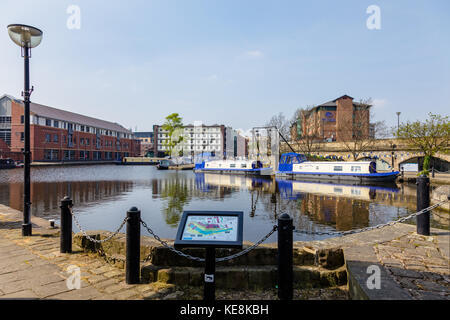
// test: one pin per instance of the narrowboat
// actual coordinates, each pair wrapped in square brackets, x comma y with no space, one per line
[296,166]
[244,167]
[7,164]
[165,164]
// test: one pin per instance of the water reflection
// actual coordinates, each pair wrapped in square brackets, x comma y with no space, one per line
[103,194]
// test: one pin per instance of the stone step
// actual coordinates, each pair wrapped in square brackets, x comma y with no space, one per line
[264,255]
[241,277]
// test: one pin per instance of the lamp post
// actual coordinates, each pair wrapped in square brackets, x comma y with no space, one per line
[393,155]
[26,37]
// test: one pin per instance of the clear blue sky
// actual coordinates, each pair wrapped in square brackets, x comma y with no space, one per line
[231,62]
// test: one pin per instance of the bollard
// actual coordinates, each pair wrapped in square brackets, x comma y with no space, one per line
[423,201]
[133,246]
[66,226]
[285,257]
[432,172]
[209,289]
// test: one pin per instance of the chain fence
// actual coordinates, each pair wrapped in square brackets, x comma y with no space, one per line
[188,256]
[248,249]
[115,233]
[379,226]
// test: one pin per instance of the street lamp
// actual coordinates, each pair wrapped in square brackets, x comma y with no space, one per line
[398,121]
[26,37]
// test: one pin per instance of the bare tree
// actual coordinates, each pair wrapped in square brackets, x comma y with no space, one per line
[356,133]
[281,123]
[309,143]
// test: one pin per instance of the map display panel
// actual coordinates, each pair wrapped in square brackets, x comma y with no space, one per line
[211,228]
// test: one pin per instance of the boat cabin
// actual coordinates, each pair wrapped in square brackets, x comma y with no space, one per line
[229,165]
[294,162]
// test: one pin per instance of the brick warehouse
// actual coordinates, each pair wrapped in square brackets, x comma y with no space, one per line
[338,120]
[59,135]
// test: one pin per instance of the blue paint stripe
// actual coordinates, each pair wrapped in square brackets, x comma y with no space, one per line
[381,174]
[225,169]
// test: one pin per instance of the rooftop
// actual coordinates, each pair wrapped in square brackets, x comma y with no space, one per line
[63,115]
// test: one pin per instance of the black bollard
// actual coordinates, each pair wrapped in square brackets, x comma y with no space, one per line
[66,226]
[133,246]
[209,289]
[423,201]
[285,257]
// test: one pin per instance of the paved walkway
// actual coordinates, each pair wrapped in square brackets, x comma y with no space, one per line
[33,268]
[412,267]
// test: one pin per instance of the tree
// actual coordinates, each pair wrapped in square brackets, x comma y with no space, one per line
[174,128]
[431,136]
[281,123]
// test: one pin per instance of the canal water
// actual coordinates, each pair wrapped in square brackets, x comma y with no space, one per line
[103,193]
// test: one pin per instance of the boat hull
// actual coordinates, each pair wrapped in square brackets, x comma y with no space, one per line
[358,178]
[262,172]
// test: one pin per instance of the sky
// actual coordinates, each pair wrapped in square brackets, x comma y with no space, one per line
[230,62]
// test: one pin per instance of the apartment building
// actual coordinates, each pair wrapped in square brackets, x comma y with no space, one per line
[217,140]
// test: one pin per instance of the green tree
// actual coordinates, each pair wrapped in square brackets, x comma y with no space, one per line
[174,128]
[431,136]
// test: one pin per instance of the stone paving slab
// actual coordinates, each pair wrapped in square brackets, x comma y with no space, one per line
[412,267]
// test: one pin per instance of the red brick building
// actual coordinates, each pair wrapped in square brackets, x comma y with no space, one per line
[341,119]
[59,135]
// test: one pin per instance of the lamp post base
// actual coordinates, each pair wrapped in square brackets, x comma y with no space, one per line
[26,229]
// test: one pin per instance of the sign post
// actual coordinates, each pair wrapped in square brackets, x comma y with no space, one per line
[210,230]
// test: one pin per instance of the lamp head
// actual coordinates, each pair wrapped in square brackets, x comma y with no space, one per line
[25,36]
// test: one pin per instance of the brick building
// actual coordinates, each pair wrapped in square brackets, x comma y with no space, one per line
[59,135]
[147,142]
[340,119]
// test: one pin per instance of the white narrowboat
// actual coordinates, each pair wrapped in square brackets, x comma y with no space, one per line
[245,167]
[295,166]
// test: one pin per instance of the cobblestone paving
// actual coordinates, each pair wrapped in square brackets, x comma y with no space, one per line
[33,268]
[418,264]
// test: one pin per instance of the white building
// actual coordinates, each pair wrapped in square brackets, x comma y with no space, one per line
[217,140]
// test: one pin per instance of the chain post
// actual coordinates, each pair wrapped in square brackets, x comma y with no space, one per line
[133,246]
[285,257]
[423,201]
[66,226]
[209,288]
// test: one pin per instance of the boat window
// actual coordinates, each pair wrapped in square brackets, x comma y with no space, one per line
[244,165]
[356,169]
[232,165]
[337,168]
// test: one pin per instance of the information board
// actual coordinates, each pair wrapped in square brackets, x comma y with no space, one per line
[210,229]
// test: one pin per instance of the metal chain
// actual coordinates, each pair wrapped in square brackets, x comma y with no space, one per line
[107,257]
[180,253]
[343,233]
[249,248]
[92,239]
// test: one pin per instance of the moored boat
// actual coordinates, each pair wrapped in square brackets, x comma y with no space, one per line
[296,166]
[245,167]
[165,164]
[8,164]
